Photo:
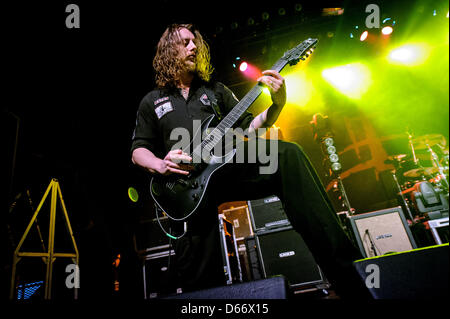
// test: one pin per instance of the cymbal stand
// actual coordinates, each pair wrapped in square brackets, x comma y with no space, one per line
[401,194]
[416,161]
[435,161]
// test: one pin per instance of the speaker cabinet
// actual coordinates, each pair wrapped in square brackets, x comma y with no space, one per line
[271,288]
[158,273]
[417,274]
[382,232]
[283,252]
[267,213]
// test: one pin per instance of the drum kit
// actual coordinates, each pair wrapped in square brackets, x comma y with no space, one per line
[422,174]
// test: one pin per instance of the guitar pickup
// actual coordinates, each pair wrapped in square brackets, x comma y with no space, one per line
[183,182]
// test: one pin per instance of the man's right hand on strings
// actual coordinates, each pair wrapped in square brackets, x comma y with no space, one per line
[175,162]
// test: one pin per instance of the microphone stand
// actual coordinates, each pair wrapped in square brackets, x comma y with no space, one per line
[401,194]
[372,244]
[344,194]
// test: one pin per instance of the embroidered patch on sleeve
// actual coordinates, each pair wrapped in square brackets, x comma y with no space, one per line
[163,109]
[204,99]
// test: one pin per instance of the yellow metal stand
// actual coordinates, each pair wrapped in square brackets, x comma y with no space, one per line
[49,256]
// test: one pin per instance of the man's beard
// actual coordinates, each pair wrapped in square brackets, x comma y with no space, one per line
[190,66]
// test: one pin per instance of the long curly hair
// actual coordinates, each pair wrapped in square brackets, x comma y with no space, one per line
[168,66]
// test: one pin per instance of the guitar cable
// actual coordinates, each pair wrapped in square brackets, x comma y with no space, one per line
[167,233]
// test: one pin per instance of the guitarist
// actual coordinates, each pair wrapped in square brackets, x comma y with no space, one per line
[185,93]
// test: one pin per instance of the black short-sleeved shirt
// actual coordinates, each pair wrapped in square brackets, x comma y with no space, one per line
[161,111]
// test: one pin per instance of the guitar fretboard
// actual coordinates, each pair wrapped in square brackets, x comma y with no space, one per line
[216,135]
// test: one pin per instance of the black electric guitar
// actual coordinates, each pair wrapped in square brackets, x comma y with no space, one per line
[179,196]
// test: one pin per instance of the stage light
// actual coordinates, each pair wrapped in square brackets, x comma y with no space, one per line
[364,36]
[336,166]
[387,26]
[133,194]
[328,141]
[334,158]
[249,71]
[299,88]
[332,11]
[410,54]
[387,30]
[331,149]
[265,16]
[353,80]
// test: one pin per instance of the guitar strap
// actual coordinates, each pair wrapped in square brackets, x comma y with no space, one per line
[214,106]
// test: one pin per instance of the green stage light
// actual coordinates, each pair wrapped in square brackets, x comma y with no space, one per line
[409,54]
[133,194]
[352,79]
[299,88]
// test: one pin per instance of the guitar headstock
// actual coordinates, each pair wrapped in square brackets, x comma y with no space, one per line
[300,52]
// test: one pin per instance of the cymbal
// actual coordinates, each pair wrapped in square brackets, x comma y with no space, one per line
[420,143]
[394,159]
[397,157]
[424,171]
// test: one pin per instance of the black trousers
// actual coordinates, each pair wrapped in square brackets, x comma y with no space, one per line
[295,182]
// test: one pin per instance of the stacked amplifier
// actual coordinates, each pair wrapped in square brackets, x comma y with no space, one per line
[275,248]
[157,256]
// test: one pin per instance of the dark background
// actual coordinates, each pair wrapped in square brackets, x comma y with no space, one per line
[76,93]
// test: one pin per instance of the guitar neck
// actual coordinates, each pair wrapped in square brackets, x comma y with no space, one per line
[233,116]
[246,101]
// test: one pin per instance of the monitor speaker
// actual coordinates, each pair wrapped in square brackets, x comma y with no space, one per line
[271,288]
[417,274]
